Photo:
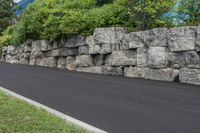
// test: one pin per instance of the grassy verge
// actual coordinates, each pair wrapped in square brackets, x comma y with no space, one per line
[17,116]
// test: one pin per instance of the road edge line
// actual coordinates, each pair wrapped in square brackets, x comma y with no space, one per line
[67,118]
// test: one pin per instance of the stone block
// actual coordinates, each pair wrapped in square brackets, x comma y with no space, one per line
[108,35]
[115,71]
[156,37]
[106,49]
[61,62]
[181,38]
[191,76]
[122,58]
[83,50]
[189,59]
[134,72]
[142,57]
[161,74]
[71,63]
[99,60]
[96,69]
[157,57]
[84,61]
[69,52]
[73,41]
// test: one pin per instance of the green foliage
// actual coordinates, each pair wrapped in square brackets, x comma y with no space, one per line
[189,12]
[102,2]
[53,18]
[148,14]
[6,14]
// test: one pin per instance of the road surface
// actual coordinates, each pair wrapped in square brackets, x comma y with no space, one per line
[114,104]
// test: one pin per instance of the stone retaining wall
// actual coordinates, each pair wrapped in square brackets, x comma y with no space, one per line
[158,54]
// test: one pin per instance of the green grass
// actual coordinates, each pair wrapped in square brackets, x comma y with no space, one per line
[17,116]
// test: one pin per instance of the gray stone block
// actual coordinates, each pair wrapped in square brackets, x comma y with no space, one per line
[181,38]
[116,71]
[83,50]
[69,52]
[106,49]
[191,76]
[99,60]
[161,74]
[96,69]
[73,41]
[157,57]
[142,57]
[71,63]
[156,37]
[108,35]
[122,58]
[189,59]
[134,72]
[61,62]
[84,61]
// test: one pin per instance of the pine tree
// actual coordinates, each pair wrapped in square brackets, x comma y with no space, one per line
[7,14]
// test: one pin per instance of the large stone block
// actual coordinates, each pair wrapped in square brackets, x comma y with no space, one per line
[71,63]
[142,57]
[96,69]
[191,76]
[161,74]
[83,50]
[132,40]
[55,52]
[11,50]
[189,59]
[69,51]
[11,59]
[47,62]
[27,47]
[116,71]
[37,54]
[94,49]
[106,49]
[99,60]
[182,38]
[157,57]
[84,61]
[156,37]
[41,45]
[134,72]
[73,41]
[90,40]
[61,62]
[198,39]
[108,35]
[122,58]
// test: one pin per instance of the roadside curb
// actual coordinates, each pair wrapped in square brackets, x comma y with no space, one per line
[67,118]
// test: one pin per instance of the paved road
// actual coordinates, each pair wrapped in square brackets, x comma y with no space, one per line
[114,104]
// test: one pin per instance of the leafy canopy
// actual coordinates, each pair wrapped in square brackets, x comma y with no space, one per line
[6,14]
[189,11]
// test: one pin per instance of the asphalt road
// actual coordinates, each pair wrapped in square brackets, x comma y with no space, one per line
[114,104]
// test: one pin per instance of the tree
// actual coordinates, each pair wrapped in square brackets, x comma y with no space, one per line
[7,13]
[148,14]
[189,11]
